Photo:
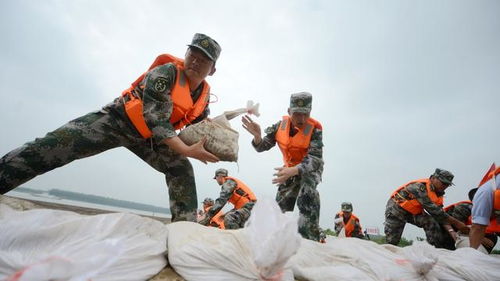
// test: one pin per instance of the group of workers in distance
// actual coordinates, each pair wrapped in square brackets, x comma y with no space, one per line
[173,94]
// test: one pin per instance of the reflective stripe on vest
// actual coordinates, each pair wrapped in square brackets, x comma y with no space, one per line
[295,148]
[350,225]
[184,110]
[412,205]
[241,194]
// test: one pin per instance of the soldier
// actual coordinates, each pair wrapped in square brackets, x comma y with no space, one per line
[235,192]
[217,220]
[300,139]
[486,209]
[346,220]
[170,95]
[407,205]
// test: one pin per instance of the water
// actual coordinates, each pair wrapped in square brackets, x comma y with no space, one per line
[45,197]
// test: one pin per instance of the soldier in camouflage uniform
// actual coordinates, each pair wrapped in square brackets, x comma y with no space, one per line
[462,211]
[407,205]
[235,192]
[300,139]
[347,221]
[112,127]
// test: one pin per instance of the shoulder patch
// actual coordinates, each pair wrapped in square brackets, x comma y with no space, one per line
[160,84]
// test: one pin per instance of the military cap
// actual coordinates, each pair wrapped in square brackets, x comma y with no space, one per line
[221,172]
[346,207]
[301,102]
[444,176]
[207,45]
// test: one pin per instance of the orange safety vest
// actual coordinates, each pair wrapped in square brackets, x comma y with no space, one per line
[242,194]
[494,227]
[351,223]
[447,208]
[412,205]
[184,110]
[217,220]
[295,148]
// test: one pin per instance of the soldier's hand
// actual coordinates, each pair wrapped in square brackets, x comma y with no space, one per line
[252,127]
[284,173]
[453,234]
[462,227]
[198,151]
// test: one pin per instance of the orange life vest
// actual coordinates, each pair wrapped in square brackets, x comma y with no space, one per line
[184,110]
[242,194]
[447,208]
[295,148]
[217,220]
[494,227]
[351,223]
[412,205]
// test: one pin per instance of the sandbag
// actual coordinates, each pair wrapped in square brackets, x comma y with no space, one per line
[198,252]
[221,139]
[44,244]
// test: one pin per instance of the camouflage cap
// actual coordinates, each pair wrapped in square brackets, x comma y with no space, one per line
[346,207]
[207,45]
[221,172]
[444,176]
[301,102]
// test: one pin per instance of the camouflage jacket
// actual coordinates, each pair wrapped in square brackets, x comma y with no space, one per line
[419,190]
[312,162]
[158,105]
[226,192]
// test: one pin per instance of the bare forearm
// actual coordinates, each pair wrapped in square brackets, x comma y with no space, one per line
[177,145]
[476,235]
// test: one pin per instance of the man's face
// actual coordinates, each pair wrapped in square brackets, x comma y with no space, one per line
[347,214]
[219,179]
[439,185]
[299,119]
[197,65]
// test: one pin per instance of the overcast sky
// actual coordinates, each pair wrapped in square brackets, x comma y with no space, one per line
[401,87]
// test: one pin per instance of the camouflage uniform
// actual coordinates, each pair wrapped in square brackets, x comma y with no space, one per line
[302,187]
[234,218]
[396,217]
[109,128]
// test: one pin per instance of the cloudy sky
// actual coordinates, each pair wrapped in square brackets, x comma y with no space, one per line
[401,87]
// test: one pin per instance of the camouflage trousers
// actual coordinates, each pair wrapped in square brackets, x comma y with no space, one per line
[396,219]
[302,188]
[92,134]
[236,218]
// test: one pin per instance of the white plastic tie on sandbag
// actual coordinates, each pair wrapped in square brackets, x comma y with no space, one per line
[273,237]
[250,109]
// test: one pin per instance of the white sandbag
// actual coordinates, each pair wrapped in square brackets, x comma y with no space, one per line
[464,242]
[197,252]
[62,245]
[221,139]
[356,259]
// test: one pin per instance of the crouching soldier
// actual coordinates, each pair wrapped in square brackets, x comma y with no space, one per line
[235,192]
[407,205]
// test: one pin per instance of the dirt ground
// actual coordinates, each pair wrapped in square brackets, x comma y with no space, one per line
[167,274]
